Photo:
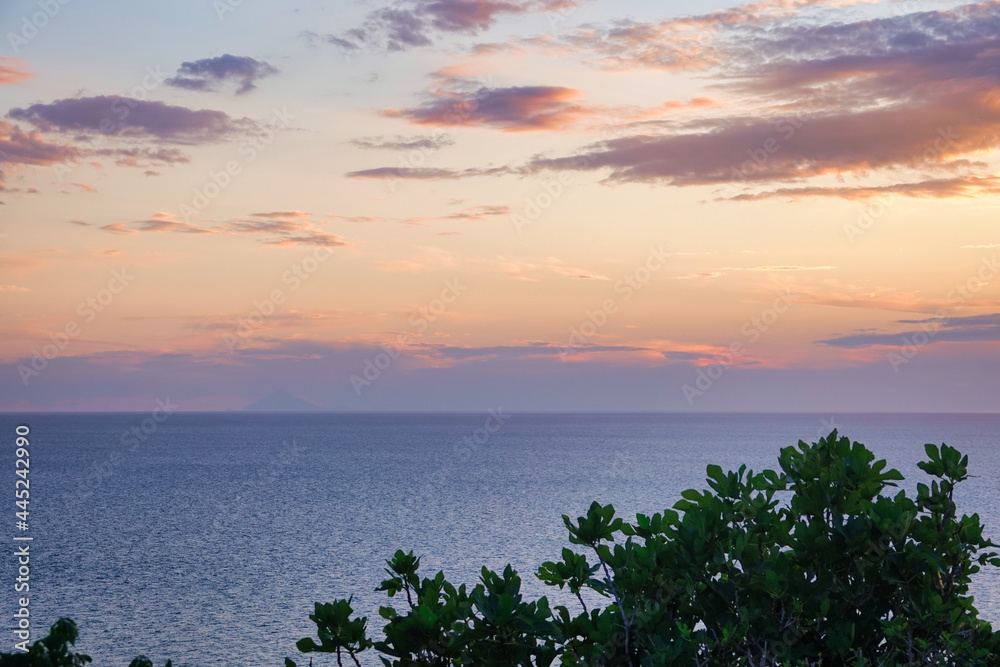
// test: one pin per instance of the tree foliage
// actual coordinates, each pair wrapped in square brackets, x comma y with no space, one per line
[54,650]
[817,563]
[57,650]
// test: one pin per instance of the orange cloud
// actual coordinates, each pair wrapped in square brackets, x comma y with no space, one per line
[12,71]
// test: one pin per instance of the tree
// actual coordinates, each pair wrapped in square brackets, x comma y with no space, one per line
[812,564]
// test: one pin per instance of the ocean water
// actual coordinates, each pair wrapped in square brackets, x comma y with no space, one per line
[206,538]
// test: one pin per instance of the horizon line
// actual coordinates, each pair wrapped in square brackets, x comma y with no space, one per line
[4,412]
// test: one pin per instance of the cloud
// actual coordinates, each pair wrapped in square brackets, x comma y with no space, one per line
[13,288]
[976,328]
[294,320]
[473,214]
[161,222]
[686,43]
[267,226]
[428,173]
[702,274]
[282,214]
[456,100]
[314,238]
[141,158]
[282,228]
[940,188]
[520,351]
[834,144]
[319,371]
[12,71]
[415,23]
[425,259]
[914,92]
[400,143]
[208,74]
[362,219]
[781,267]
[18,147]
[514,109]
[836,294]
[126,117]
[477,213]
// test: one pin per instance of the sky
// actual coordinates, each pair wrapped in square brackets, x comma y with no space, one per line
[783,205]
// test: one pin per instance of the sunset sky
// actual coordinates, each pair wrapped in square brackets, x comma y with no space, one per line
[784,205]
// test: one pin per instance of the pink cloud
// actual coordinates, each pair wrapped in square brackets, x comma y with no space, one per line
[12,71]
[18,147]
[515,109]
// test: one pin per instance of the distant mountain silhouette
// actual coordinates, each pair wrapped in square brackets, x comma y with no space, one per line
[282,401]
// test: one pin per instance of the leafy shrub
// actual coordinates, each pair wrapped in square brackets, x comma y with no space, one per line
[813,564]
[51,651]
[54,650]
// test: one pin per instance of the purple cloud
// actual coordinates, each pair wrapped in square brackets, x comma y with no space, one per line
[415,23]
[513,109]
[123,116]
[973,329]
[428,173]
[208,74]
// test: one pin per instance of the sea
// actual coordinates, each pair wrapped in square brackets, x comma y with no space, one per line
[207,538]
